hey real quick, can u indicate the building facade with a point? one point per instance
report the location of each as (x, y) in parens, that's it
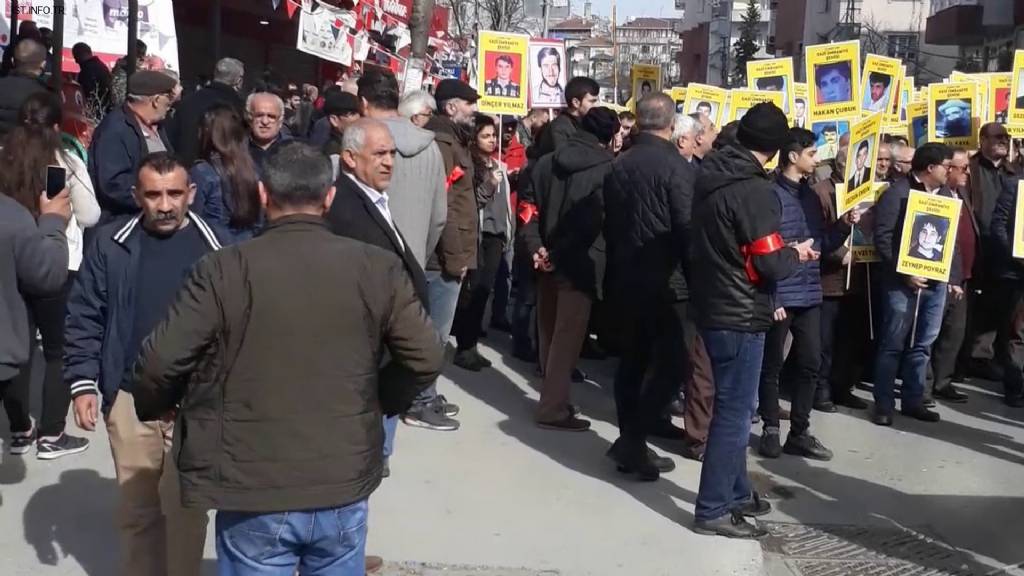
(984, 33)
(709, 29)
(652, 41)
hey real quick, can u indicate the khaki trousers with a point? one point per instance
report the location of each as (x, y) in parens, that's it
(158, 536)
(562, 316)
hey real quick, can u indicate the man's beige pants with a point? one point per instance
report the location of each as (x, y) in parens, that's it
(158, 536)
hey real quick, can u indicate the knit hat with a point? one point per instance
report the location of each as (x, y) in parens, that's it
(150, 83)
(764, 128)
(601, 122)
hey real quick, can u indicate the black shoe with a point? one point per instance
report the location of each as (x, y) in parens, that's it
(529, 356)
(950, 394)
(665, 429)
(501, 325)
(568, 424)
(756, 506)
(806, 446)
(928, 402)
(431, 417)
(578, 375)
(848, 400)
(677, 407)
(66, 445)
(825, 406)
(732, 525)
(921, 413)
(450, 410)
(692, 451)
(882, 419)
(664, 464)
(471, 360)
(635, 460)
(769, 445)
(21, 442)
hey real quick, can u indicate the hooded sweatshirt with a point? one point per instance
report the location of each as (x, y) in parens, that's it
(566, 190)
(734, 206)
(416, 196)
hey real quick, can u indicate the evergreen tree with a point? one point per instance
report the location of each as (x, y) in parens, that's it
(745, 47)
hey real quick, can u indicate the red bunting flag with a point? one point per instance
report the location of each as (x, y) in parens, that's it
(291, 6)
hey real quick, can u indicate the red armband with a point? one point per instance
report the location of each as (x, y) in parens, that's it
(527, 210)
(457, 173)
(760, 247)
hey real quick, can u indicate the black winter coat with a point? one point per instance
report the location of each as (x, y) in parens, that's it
(183, 127)
(648, 201)
(567, 189)
(556, 134)
(735, 205)
(274, 358)
(1004, 230)
(14, 90)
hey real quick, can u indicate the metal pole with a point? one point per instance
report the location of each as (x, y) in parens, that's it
(15, 8)
(215, 15)
(615, 57)
(57, 54)
(133, 35)
(544, 11)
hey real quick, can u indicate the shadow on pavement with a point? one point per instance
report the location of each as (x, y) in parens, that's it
(974, 524)
(75, 518)
(581, 452)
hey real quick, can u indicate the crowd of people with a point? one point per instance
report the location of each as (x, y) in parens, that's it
(264, 283)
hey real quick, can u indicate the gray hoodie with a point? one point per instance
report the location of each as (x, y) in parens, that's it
(33, 259)
(417, 196)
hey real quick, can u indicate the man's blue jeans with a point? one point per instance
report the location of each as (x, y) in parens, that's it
(323, 542)
(736, 365)
(894, 341)
(443, 293)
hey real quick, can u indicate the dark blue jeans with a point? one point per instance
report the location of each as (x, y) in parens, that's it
(894, 343)
(736, 365)
(323, 542)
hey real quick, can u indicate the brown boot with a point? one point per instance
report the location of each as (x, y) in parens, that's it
(374, 564)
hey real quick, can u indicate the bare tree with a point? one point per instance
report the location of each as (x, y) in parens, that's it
(504, 15)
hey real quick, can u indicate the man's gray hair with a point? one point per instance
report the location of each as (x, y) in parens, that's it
(354, 138)
(297, 175)
(686, 126)
(29, 54)
(252, 97)
(229, 71)
(655, 111)
(415, 102)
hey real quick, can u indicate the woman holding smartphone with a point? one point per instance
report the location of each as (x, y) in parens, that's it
(31, 153)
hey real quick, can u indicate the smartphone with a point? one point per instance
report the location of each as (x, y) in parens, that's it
(56, 180)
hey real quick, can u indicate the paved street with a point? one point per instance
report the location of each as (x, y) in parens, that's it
(501, 497)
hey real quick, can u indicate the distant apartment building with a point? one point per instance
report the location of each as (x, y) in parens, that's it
(709, 30)
(984, 33)
(652, 41)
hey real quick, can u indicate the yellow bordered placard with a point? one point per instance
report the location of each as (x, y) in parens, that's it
(1018, 223)
(860, 163)
(929, 236)
(951, 113)
(799, 115)
(773, 75)
(645, 79)
(833, 80)
(880, 83)
(502, 72)
(862, 237)
(709, 100)
(742, 100)
(917, 119)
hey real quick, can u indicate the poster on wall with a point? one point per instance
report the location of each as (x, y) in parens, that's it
(548, 73)
(103, 25)
(323, 32)
(501, 78)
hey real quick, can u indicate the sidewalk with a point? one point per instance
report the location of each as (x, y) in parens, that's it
(501, 497)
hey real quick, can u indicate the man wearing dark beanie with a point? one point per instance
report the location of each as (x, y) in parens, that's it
(561, 209)
(648, 197)
(736, 239)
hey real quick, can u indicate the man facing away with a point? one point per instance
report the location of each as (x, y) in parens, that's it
(129, 277)
(299, 460)
(183, 127)
(24, 81)
(648, 194)
(456, 251)
(736, 240)
(908, 300)
(93, 76)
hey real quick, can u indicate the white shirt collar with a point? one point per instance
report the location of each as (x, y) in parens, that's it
(372, 194)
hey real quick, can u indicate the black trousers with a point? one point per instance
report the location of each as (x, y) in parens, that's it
(1010, 342)
(47, 315)
(805, 358)
(524, 326)
(850, 343)
(476, 290)
(14, 395)
(946, 350)
(653, 337)
(502, 291)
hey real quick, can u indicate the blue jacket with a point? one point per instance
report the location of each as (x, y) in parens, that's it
(212, 200)
(101, 308)
(117, 149)
(802, 218)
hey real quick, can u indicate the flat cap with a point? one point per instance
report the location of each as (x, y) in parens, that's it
(451, 88)
(150, 83)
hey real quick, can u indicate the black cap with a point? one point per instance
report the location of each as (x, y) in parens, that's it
(150, 83)
(451, 88)
(601, 122)
(341, 104)
(764, 128)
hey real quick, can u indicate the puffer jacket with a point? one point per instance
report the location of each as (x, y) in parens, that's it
(297, 428)
(735, 206)
(566, 190)
(457, 246)
(802, 220)
(648, 198)
(14, 90)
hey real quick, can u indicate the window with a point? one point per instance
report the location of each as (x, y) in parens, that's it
(903, 46)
